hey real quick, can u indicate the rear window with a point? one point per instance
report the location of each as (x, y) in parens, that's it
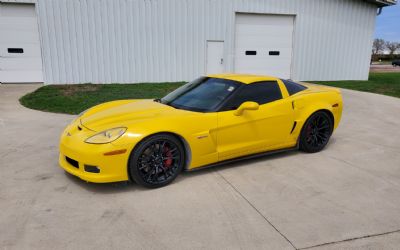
(293, 87)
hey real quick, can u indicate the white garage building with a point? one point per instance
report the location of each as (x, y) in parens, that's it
(121, 41)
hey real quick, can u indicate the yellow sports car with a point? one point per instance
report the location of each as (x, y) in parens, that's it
(208, 121)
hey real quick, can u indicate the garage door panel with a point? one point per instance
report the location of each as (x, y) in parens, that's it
(17, 10)
(20, 64)
(262, 51)
(29, 50)
(273, 43)
(265, 37)
(262, 29)
(23, 76)
(253, 62)
(261, 19)
(262, 34)
(273, 70)
(265, 61)
(24, 23)
(263, 58)
(16, 36)
(264, 44)
(254, 39)
(274, 64)
(269, 72)
(258, 41)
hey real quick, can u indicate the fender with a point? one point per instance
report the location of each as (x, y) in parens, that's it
(305, 105)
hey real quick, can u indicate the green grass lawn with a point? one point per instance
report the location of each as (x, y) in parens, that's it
(380, 83)
(388, 62)
(73, 99)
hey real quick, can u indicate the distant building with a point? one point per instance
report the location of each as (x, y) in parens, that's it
(101, 41)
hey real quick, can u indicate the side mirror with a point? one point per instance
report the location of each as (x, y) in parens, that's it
(246, 106)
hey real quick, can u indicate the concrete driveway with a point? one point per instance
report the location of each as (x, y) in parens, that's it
(347, 196)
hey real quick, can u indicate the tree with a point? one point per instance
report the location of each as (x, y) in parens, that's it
(378, 46)
(392, 47)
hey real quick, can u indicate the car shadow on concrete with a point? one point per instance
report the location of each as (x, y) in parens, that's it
(245, 162)
(128, 186)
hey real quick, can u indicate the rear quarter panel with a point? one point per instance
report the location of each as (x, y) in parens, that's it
(312, 100)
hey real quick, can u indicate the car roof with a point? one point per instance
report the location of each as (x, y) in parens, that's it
(244, 78)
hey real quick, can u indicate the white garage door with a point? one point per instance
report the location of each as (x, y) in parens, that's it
(20, 56)
(263, 44)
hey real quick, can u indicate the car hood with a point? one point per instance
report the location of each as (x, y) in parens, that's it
(123, 113)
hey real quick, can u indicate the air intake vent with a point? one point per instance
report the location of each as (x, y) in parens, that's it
(92, 169)
(72, 162)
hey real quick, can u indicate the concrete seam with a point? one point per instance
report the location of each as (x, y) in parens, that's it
(350, 239)
(265, 218)
(365, 171)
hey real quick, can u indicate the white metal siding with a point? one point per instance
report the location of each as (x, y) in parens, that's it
(157, 40)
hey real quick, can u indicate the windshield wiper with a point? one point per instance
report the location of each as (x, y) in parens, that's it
(165, 103)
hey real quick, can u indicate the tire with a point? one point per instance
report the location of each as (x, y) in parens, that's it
(156, 161)
(316, 132)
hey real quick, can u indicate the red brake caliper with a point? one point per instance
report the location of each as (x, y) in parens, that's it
(168, 154)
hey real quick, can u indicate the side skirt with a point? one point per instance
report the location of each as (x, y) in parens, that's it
(247, 157)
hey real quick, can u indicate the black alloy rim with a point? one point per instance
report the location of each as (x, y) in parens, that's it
(318, 131)
(159, 161)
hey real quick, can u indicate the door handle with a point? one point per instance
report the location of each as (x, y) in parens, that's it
(222, 61)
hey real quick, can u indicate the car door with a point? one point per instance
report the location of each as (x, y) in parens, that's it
(255, 130)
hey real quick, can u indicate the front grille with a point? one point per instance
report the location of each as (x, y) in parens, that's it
(72, 162)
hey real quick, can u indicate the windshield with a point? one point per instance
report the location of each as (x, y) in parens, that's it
(204, 94)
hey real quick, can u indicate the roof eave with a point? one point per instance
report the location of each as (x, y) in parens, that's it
(383, 3)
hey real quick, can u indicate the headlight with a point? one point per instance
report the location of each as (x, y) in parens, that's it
(106, 136)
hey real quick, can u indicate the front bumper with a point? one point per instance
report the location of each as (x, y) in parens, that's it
(88, 162)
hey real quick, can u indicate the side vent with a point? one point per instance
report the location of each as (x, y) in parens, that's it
(294, 126)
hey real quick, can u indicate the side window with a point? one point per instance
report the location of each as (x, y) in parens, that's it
(260, 92)
(293, 87)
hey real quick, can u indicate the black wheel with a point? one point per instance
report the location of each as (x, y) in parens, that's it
(157, 160)
(316, 132)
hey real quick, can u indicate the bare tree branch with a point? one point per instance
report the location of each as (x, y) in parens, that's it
(378, 46)
(392, 47)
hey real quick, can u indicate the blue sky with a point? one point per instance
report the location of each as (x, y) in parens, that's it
(388, 24)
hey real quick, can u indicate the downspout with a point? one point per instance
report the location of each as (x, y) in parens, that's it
(379, 11)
